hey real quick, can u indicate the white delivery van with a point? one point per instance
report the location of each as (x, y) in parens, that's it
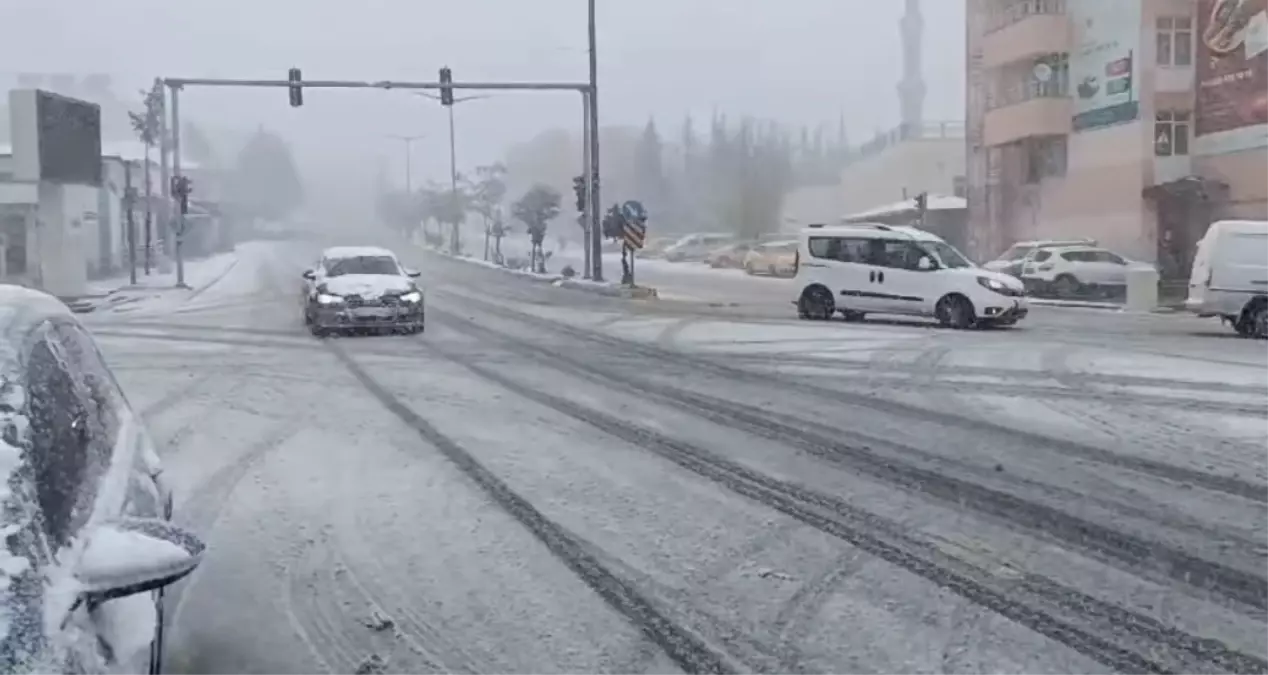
(863, 268)
(1230, 276)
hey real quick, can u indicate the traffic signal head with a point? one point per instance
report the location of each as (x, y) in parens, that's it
(446, 93)
(922, 201)
(297, 91)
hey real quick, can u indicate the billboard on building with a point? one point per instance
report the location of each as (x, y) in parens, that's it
(1105, 62)
(56, 139)
(1231, 104)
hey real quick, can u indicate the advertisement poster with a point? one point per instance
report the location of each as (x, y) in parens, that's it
(1104, 64)
(1232, 76)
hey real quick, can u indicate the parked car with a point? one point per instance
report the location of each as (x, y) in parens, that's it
(361, 287)
(776, 258)
(1011, 261)
(89, 542)
(729, 256)
(655, 247)
(694, 247)
(862, 269)
(1072, 271)
(1230, 276)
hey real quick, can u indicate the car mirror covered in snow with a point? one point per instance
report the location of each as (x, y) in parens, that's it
(136, 555)
(413, 274)
(310, 275)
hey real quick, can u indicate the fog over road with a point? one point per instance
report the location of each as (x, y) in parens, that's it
(552, 481)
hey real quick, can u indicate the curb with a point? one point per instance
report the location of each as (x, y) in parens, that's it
(1104, 306)
(560, 281)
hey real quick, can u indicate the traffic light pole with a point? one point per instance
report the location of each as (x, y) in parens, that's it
(587, 90)
(587, 206)
(176, 173)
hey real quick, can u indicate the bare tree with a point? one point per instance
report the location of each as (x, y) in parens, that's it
(146, 125)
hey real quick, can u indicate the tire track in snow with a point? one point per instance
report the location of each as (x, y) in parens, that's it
(861, 529)
(683, 647)
(979, 586)
(1233, 486)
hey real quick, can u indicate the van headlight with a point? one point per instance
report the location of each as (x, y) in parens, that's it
(412, 297)
(328, 299)
(993, 284)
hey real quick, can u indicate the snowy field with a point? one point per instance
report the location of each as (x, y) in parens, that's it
(553, 481)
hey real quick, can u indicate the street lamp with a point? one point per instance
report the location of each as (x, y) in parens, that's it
(453, 161)
(408, 141)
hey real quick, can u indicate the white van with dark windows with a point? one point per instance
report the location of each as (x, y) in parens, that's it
(862, 269)
(1230, 276)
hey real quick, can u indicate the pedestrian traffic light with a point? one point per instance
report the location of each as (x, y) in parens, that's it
(922, 203)
(297, 91)
(446, 92)
(579, 187)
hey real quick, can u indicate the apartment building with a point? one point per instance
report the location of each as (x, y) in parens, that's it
(1135, 122)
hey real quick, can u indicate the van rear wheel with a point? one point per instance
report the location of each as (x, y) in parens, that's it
(816, 304)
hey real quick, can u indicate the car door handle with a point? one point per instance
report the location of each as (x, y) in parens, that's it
(871, 276)
(880, 277)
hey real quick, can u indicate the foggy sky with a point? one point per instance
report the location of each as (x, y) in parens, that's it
(801, 61)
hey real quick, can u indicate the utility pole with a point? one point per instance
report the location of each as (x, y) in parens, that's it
(449, 102)
(409, 152)
(129, 206)
(596, 202)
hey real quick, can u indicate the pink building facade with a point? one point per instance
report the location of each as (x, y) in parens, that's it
(1134, 122)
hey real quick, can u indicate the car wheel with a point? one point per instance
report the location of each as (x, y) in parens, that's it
(1261, 321)
(317, 331)
(1066, 286)
(748, 268)
(816, 304)
(955, 311)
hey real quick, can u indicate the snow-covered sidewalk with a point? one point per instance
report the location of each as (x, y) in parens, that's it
(157, 286)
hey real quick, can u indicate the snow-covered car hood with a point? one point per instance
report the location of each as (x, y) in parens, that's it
(367, 285)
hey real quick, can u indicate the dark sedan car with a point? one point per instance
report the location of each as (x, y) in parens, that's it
(361, 288)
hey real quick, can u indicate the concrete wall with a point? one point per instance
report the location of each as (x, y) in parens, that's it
(918, 165)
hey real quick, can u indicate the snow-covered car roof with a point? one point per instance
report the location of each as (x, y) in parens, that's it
(357, 252)
(22, 307)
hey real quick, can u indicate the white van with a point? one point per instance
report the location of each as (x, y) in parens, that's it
(1230, 276)
(861, 269)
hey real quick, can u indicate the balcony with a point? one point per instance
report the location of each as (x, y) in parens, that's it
(1026, 110)
(1024, 29)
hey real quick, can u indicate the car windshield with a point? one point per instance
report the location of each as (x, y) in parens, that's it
(378, 264)
(946, 253)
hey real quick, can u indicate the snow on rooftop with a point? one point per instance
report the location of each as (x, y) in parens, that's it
(936, 203)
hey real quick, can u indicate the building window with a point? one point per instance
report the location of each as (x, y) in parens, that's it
(1171, 133)
(1175, 41)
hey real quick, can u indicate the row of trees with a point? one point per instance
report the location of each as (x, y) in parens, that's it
(734, 177)
(729, 174)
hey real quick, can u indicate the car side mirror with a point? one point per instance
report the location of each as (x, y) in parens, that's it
(413, 274)
(135, 555)
(310, 275)
(926, 264)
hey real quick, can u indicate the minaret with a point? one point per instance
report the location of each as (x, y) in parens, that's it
(911, 90)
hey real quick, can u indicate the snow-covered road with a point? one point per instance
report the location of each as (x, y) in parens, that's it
(551, 481)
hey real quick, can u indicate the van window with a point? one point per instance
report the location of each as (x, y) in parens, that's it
(1076, 256)
(824, 247)
(1248, 249)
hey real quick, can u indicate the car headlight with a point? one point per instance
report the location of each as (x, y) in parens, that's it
(412, 297)
(328, 299)
(992, 284)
